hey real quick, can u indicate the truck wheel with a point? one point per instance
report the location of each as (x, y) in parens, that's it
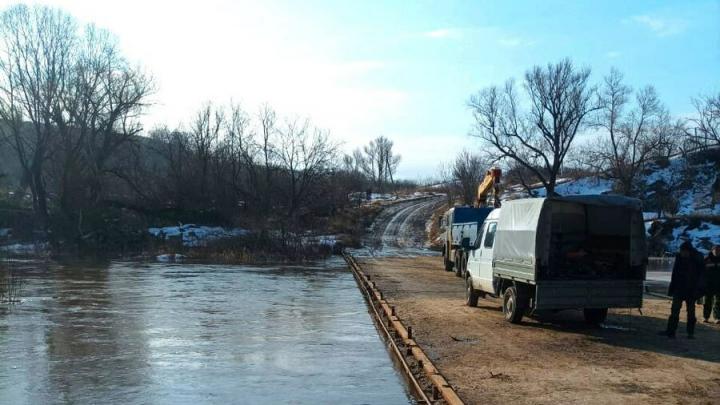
(513, 306)
(446, 260)
(456, 260)
(595, 316)
(471, 294)
(459, 267)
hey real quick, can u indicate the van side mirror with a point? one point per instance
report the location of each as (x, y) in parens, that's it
(465, 243)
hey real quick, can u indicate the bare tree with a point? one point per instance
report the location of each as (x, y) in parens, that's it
(268, 131)
(448, 184)
(522, 176)
(378, 161)
(239, 153)
(204, 135)
(348, 163)
(37, 49)
(174, 147)
(560, 100)
(467, 171)
(102, 106)
(708, 119)
(305, 154)
(632, 137)
(69, 96)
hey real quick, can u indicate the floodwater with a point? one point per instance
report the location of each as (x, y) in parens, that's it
(131, 333)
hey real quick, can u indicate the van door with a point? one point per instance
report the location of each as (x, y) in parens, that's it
(473, 265)
(484, 256)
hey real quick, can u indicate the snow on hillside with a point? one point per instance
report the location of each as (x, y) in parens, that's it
(702, 237)
(691, 184)
(695, 200)
(583, 185)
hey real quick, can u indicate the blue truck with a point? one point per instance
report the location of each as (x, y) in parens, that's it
(460, 225)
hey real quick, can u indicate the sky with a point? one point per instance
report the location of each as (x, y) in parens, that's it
(400, 69)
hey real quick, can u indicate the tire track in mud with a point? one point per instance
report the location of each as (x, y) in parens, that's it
(400, 228)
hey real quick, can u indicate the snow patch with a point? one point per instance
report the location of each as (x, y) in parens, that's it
(322, 240)
(649, 216)
(382, 197)
(25, 248)
(193, 235)
(583, 185)
(170, 258)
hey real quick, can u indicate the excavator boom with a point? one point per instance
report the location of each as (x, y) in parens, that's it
(491, 183)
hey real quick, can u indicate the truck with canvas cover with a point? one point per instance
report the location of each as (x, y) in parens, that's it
(576, 252)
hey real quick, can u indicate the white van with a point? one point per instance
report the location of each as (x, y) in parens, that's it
(586, 252)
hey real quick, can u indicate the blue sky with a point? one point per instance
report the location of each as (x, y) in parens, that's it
(400, 69)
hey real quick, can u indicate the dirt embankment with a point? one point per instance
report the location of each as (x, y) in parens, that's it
(556, 359)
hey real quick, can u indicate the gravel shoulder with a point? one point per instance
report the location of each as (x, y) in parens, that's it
(553, 359)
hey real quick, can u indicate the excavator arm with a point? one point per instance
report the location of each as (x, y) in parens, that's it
(490, 184)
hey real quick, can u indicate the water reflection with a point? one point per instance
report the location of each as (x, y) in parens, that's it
(10, 284)
(133, 333)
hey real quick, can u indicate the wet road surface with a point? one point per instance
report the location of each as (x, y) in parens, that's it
(400, 229)
(179, 333)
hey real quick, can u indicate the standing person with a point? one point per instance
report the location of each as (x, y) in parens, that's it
(686, 285)
(712, 286)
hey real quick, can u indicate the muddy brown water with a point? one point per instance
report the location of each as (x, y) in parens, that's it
(136, 333)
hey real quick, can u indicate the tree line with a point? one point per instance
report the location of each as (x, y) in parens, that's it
(557, 121)
(70, 116)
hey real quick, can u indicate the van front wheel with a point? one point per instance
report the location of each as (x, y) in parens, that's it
(513, 306)
(471, 294)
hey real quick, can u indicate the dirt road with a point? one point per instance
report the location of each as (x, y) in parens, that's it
(556, 359)
(400, 228)
(550, 360)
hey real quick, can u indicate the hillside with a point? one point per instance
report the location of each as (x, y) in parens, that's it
(681, 199)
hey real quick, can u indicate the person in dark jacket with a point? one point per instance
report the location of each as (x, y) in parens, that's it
(686, 285)
(712, 285)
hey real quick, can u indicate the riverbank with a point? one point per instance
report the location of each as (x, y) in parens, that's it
(556, 359)
(252, 244)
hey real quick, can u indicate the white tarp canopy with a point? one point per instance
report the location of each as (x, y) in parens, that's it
(517, 229)
(525, 225)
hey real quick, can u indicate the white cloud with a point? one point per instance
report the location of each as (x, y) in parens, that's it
(613, 54)
(443, 33)
(515, 42)
(662, 27)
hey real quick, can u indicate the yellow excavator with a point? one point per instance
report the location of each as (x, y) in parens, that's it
(490, 184)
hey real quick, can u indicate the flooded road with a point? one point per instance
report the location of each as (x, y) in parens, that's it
(180, 333)
(400, 229)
